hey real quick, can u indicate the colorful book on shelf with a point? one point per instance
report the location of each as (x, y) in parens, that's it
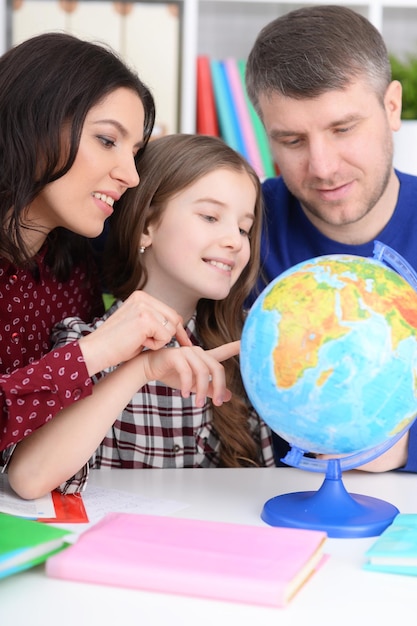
(226, 114)
(206, 107)
(25, 543)
(262, 565)
(263, 143)
(243, 116)
(395, 550)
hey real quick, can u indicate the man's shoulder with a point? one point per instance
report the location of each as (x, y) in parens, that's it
(408, 182)
(277, 197)
(275, 186)
(404, 177)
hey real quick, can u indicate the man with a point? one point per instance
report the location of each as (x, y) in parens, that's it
(320, 79)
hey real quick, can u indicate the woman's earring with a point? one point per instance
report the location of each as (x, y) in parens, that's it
(142, 249)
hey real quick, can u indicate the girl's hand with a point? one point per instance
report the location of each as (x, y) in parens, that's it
(141, 321)
(192, 370)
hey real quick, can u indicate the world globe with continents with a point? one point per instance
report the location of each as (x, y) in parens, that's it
(329, 354)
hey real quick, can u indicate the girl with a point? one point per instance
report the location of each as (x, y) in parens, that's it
(188, 236)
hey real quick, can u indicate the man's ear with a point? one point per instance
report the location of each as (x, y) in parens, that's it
(393, 104)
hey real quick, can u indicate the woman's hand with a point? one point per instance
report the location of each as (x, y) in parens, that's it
(142, 321)
(192, 370)
(55, 452)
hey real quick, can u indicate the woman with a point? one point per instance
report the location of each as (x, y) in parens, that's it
(74, 120)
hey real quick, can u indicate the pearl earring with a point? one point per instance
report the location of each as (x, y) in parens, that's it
(142, 249)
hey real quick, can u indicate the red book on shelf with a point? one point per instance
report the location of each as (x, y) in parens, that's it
(206, 108)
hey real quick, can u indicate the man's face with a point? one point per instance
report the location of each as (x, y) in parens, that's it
(335, 155)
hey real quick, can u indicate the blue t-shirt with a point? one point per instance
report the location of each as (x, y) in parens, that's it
(290, 238)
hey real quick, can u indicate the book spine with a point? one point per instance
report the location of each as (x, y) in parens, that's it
(242, 111)
(228, 123)
(260, 133)
(206, 107)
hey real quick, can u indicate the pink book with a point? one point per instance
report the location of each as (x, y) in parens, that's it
(252, 564)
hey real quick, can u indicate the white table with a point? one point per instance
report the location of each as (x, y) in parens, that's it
(340, 594)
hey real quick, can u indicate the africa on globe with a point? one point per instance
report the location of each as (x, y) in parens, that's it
(329, 354)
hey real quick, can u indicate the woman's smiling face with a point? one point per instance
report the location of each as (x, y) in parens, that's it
(103, 169)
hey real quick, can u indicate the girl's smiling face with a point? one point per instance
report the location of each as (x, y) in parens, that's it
(201, 244)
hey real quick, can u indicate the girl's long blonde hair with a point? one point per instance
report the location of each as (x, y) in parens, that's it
(168, 166)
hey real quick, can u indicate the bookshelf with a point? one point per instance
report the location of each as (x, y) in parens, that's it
(222, 28)
(147, 35)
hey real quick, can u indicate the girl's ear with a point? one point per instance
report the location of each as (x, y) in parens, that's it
(146, 239)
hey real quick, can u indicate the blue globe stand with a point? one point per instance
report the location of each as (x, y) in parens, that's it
(331, 509)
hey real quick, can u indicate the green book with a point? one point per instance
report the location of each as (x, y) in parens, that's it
(395, 550)
(25, 543)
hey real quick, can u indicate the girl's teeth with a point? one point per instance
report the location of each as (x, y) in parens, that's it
(221, 266)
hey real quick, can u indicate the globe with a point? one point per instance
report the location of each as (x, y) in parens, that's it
(329, 358)
(329, 354)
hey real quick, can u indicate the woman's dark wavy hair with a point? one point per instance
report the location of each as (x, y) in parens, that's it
(168, 166)
(49, 82)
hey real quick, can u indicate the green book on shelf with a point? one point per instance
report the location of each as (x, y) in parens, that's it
(25, 543)
(395, 550)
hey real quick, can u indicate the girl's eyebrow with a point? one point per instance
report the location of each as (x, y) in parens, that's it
(209, 199)
(250, 216)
